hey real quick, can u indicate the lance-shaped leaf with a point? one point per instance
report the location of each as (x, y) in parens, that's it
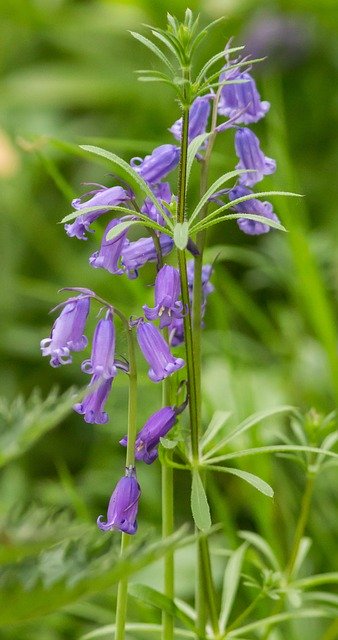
(199, 503)
(250, 478)
(231, 579)
(156, 599)
(132, 176)
(181, 231)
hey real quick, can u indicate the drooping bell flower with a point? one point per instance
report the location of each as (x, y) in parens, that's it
(162, 191)
(241, 99)
(207, 287)
(254, 206)
(156, 166)
(136, 254)
(251, 157)
(67, 332)
(148, 438)
(123, 505)
(198, 119)
(176, 332)
(103, 197)
(109, 254)
(101, 362)
(157, 353)
(92, 407)
(167, 292)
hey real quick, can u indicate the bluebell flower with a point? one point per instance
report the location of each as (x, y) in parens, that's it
(105, 196)
(242, 99)
(162, 191)
(167, 292)
(101, 362)
(92, 407)
(109, 254)
(67, 331)
(148, 438)
(156, 166)
(253, 206)
(251, 157)
(157, 353)
(198, 118)
(176, 332)
(136, 254)
(123, 505)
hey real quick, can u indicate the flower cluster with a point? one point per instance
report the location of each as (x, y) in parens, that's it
(239, 101)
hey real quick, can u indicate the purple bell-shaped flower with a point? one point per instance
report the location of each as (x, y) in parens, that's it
(103, 197)
(157, 165)
(123, 505)
(167, 292)
(148, 438)
(157, 353)
(92, 407)
(251, 157)
(109, 254)
(241, 99)
(101, 362)
(255, 206)
(67, 332)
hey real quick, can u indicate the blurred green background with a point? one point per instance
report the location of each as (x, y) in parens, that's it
(67, 74)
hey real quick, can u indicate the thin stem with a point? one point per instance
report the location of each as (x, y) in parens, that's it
(242, 616)
(122, 591)
(167, 521)
(209, 585)
(299, 533)
(301, 524)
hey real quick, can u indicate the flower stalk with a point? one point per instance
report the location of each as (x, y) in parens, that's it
(122, 591)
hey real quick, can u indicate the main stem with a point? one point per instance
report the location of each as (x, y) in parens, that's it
(167, 522)
(122, 591)
(205, 586)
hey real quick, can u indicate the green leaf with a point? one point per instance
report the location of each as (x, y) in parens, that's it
(228, 205)
(280, 617)
(216, 423)
(255, 481)
(143, 628)
(119, 228)
(131, 174)
(257, 541)
(148, 43)
(213, 60)
(193, 148)
(156, 599)
(214, 187)
(303, 550)
(235, 216)
(168, 444)
(79, 573)
(23, 423)
(230, 584)
(181, 234)
(199, 503)
(273, 448)
(249, 422)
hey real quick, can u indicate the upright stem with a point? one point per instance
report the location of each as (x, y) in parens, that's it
(167, 522)
(122, 591)
(301, 524)
(205, 588)
(192, 364)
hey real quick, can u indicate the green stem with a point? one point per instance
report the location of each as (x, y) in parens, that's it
(299, 533)
(209, 584)
(242, 616)
(122, 591)
(167, 521)
(301, 524)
